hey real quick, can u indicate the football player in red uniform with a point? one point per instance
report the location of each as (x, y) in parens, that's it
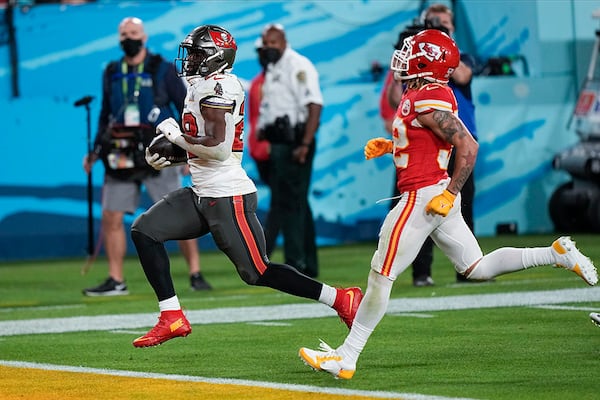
(425, 129)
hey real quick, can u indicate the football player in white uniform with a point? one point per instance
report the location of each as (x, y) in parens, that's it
(222, 200)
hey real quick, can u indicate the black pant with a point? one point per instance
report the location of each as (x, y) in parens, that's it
(264, 169)
(235, 228)
(290, 211)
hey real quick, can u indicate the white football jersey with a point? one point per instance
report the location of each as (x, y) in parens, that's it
(214, 178)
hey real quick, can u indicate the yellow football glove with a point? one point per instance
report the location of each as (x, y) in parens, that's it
(441, 204)
(378, 147)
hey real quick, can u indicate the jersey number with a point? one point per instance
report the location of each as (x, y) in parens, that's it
(190, 127)
(401, 142)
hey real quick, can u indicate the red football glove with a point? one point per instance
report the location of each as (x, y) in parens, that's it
(378, 147)
(441, 204)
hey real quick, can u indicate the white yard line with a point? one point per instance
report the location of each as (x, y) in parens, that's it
(296, 311)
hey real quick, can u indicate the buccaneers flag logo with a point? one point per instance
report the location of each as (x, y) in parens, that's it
(223, 39)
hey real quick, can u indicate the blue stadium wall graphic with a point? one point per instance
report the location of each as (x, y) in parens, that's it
(522, 119)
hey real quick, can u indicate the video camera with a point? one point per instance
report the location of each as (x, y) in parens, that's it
(417, 26)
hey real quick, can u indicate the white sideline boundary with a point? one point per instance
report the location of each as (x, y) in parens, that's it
(223, 381)
(296, 311)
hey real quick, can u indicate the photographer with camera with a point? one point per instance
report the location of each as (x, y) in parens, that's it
(436, 16)
(138, 91)
(290, 113)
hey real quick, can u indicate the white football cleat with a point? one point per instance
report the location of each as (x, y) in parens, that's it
(327, 360)
(595, 317)
(568, 256)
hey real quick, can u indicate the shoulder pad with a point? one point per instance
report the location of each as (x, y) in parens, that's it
(225, 86)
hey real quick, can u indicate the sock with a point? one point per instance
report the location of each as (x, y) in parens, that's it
(509, 259)
(170, 304)
(355, 342)
(328, 295)
(371, 310)
(537, 256)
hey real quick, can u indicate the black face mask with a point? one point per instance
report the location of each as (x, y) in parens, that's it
(131, 47)
(271, 55)
(262, 59)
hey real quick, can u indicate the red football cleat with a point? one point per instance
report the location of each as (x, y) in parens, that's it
(346, 303)
(171, 324)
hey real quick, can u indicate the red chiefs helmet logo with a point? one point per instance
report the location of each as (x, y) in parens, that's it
(223, 40)
(430, 51)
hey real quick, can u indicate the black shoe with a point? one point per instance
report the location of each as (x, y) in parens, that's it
(109, 287)
(462, 279)
(423, 281)
(198, 283)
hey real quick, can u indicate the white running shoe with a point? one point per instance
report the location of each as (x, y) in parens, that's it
(327, 360)
(595, 317)
(568, 256)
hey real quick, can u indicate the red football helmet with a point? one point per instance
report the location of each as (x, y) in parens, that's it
(430, 54)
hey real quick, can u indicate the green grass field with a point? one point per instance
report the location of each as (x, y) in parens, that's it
(523, 352)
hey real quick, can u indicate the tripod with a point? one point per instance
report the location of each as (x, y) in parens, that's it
(85, 101)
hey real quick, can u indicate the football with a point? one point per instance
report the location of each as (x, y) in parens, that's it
(161, 145)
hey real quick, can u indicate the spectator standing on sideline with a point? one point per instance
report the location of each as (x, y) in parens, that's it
(222, 200)
(425, 130)
(290, 113)
(259, 149)
(139, 90)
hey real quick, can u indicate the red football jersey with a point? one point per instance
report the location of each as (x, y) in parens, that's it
(421, 157)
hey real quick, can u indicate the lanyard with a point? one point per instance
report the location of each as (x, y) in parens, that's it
(138, 81)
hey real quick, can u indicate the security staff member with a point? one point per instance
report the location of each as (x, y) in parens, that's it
(290, 112)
